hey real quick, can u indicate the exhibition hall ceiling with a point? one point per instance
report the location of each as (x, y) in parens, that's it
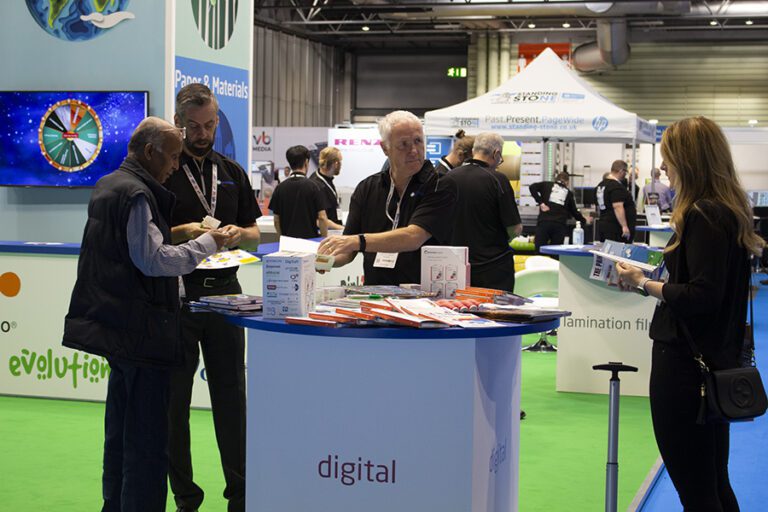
(361, 25)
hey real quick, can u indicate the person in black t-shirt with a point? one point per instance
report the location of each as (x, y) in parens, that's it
(297, 203)
(617, 209)
(395, 211)
(705, 297)
(330, 167)
(486, 217)
(209, 184)
(556, 205)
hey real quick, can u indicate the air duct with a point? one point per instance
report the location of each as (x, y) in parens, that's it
(610, 50)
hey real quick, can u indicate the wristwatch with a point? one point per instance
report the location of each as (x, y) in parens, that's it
(641, 286)
(361, 237)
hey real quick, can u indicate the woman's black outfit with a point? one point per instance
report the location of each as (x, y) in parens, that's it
(707, 289)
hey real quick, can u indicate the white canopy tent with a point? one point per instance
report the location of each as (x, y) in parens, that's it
(546, 101)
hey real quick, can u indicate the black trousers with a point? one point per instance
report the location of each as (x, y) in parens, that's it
(549, 233)
(223, 348)
(612, 231)
(500, 274)
(135, 469)
(696, 456)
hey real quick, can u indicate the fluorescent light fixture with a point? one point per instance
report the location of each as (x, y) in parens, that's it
(752, 122)
(566, 25)
(748, 22)
(531, 25)
(713, 23)
(365, 28)
(653, 121)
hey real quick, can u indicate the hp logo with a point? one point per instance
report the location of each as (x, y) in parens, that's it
(600, 123)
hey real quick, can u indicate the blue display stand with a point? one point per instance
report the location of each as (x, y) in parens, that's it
(383, 419)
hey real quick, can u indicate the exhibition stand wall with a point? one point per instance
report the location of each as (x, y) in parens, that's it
(605, 325)
(383, 419)
(34, 363)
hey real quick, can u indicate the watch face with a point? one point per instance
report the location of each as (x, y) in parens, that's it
(70, 135)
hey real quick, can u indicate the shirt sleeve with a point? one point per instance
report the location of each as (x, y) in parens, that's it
(434, 213)
(247, 207)
(706, 247)
(354, 219)
(274, 201)
(508, 212)
(570, 203)
(154, 258)
(535, 189)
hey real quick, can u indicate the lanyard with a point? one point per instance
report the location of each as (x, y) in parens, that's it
(214, 190)
(330, 187)
(396, 220)
(297, 175)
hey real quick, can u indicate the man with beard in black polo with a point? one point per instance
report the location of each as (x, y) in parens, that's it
(213, 187)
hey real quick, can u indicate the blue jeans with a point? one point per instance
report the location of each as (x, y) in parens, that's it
(136, 439)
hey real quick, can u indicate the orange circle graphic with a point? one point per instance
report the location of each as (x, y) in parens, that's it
(10, 284)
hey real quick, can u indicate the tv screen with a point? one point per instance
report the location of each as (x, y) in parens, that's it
(66, 139)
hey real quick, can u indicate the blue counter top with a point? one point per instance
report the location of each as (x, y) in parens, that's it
(15, 246)
(567, 250)
(507, 329)
(660, 229)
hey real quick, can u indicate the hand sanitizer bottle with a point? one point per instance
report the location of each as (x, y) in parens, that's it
(578, 234)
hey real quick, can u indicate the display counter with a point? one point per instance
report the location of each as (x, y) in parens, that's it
(658, 236)
(32, 360)
(383, 419)
(605, 325)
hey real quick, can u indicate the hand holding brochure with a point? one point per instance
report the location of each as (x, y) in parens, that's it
(650, 261)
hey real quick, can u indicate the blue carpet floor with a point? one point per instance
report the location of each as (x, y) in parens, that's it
(749, 441)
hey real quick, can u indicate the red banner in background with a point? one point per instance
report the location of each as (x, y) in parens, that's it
(527, 52)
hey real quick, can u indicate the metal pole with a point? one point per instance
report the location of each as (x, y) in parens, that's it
(612, 465)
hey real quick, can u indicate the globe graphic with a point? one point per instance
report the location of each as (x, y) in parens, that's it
(61, 18)
(224, 140)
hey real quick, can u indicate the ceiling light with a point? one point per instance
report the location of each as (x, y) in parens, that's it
(566, 25)
(531, 25)
(752, 122)
(748, 22)
(366, 28)
(713, 23)
(653, 121)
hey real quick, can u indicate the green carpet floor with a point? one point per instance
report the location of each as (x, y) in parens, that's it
(50, 450)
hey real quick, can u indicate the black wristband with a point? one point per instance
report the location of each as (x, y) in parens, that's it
(361, 237)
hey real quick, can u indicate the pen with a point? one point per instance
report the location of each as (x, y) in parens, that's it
(364, 296)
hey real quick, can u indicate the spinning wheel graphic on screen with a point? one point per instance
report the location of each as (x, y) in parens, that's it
(70, 135)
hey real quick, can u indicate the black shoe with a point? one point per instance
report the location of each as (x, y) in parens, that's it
(185, 509)
(522, 414)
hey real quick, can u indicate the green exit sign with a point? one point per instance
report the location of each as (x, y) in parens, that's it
(457, 72)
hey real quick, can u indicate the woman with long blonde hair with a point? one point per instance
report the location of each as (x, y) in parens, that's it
(706, 294)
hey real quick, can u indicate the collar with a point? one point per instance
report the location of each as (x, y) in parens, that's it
(444, 161)
(213, 156)
(480, 163)
(426, 171)
(320, 175)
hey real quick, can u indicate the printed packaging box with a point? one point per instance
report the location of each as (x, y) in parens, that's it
(289, 284)
(444, 269)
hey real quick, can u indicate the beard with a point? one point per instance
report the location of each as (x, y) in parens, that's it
(198, 149)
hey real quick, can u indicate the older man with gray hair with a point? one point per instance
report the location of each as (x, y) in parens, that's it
(125, 306)
(397, 210)
(486, 214)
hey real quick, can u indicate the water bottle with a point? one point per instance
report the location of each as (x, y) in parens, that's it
(578, 234)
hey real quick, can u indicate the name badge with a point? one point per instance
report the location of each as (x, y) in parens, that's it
(385, 259)
(210, 222)
(338, 214)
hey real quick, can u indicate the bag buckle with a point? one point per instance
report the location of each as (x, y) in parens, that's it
(209, 282)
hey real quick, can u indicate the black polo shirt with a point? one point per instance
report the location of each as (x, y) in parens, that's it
(610, 191)
(485, 208)
(331, 201)
(297, 201)
(235, 202)
(428, 202)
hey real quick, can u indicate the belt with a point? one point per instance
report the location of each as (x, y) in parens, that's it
(214, 282)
